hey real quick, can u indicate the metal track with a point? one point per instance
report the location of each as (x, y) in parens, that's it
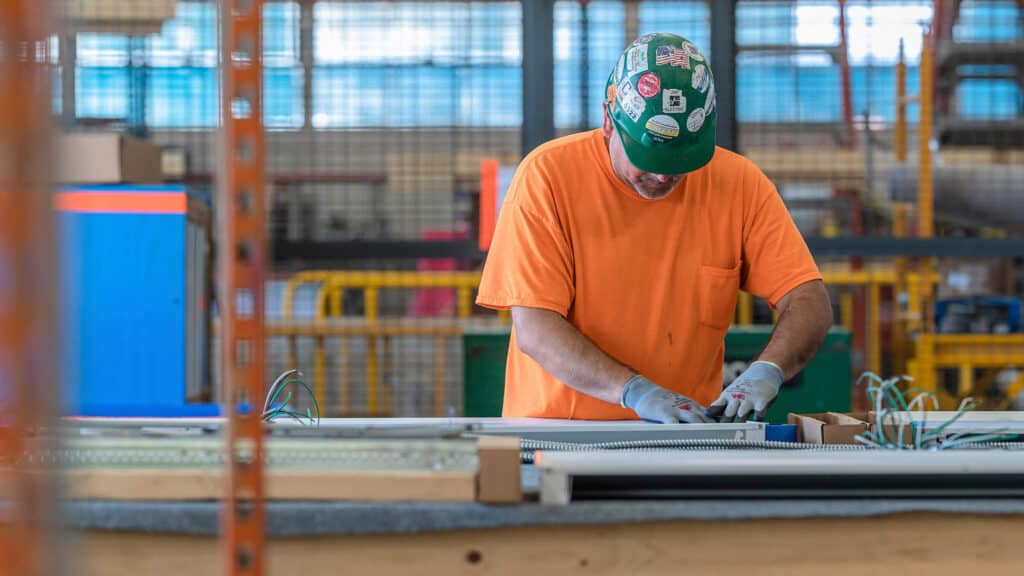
(567, 476)
(241, 258)
(281, 454)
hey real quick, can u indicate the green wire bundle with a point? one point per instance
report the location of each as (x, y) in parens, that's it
(892, 408)
(278, 387)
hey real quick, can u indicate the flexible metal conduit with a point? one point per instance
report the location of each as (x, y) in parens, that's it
(528, 447)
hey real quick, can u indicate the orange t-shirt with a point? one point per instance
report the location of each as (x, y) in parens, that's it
(652, 282)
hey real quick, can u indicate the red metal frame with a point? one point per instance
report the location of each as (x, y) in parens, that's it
(844, 77)
(241, 260)
(27, 273)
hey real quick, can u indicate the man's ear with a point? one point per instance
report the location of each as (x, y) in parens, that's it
(606, 126)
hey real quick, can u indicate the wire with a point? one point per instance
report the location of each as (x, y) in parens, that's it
(270, 412)
(892, 411)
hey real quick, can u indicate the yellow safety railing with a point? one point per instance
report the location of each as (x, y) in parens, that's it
(329, 303)
(378, 332)
(874, 279)
(965, 353)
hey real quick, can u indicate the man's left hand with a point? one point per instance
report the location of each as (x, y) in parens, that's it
(754, 389)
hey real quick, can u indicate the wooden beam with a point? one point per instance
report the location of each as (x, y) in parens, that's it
(933, 544)
(179, 485)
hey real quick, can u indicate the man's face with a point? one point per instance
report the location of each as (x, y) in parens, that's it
(647, 184)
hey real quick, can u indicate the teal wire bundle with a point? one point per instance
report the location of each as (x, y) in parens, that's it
(272, 409)
(894, 412)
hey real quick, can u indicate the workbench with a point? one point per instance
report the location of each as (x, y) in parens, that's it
(738, 536)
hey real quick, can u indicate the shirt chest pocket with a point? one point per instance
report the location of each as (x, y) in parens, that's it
(718, 289)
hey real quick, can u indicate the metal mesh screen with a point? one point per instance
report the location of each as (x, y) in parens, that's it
(378, 115)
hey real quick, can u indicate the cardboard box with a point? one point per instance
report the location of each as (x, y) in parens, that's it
(107, 158)
(960, 277)
(828, 427)
(836, 428)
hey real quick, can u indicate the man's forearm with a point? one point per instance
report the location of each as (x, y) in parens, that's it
(568, 355)
(805, 315)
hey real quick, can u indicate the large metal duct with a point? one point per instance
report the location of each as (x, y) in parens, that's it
(988, 195)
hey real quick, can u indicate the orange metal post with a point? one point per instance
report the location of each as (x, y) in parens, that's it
(925, 220)
(26, 285)
(488, 201)
(844, 77)
(241, 258)
(900, 293)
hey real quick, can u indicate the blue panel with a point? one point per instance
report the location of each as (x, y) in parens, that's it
(780, 433)
(123, 312)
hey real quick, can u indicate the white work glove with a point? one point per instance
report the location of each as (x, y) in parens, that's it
(656, 404)
(753, 390)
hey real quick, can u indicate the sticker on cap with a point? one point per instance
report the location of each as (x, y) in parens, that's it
(692, 51)
(636, 59)
(672, 56)
(631, 102)
(700, 79)
(610, 95)
(618, 69)
(709, 102)
(645, 38)
(695, 120)
(662, 128)
(648, 85)
(673, 101)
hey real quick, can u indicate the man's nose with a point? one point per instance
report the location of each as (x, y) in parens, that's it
(662, 178)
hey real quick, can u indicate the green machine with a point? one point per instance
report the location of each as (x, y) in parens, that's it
(822, 386)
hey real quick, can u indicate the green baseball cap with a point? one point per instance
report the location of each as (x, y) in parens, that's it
(661, 98)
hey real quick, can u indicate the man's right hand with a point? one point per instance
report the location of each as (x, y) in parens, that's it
(656, 404)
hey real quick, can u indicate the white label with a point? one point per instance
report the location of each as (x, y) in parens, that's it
(693, 52)
(636, 59)
(673, 101)
(700, 78)
(695, 120)
(662, 128)
(632, 103)
(709, 103)
(618, 70)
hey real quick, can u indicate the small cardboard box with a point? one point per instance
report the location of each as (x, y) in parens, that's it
(107, 158)
(829, 427)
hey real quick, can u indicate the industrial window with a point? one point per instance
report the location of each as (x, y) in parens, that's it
(584, 58)
(170, 79)
(788, 65)
(690, 19)
(414, 64)
(283, 74)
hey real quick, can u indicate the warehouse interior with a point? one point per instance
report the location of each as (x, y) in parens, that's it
(209, 206)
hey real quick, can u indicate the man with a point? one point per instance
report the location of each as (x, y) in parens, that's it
(621, 251)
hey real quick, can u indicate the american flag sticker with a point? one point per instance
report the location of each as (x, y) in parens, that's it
(672, 56)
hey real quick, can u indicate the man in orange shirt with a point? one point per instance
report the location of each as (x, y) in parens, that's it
(620, 252)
